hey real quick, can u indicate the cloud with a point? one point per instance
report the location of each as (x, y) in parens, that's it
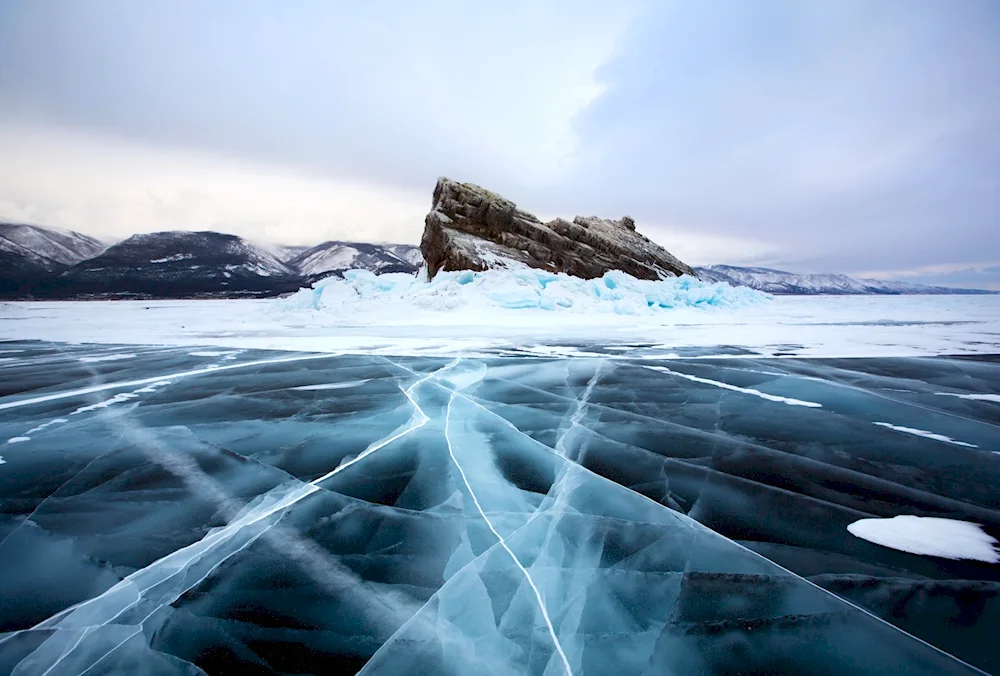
(113, 188)
(849, 134)
(390, 92)
(961, 276)
(825, 136)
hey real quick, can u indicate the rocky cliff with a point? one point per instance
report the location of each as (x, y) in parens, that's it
(471, 228)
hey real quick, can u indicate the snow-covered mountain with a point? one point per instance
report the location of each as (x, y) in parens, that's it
(64, 247)
(282, 252)
(38, 262)
(408, 252)
(329, 258)
(780, 282)
(180, 263)
(29, 254)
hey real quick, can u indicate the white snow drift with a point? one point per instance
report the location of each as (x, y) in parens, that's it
(446, 317)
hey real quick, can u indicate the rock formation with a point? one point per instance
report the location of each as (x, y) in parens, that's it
(471, 228)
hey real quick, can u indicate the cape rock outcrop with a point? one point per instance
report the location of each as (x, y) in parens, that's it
(471, 228)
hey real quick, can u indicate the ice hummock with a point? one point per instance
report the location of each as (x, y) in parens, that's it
(361, 292)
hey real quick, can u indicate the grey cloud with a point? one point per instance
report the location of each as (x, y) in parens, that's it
(390, 92)
(849, 135)
(971, 278)
(854, 134)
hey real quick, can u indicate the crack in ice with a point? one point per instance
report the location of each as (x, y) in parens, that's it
(581, 409)
(924, 433)
(744, 390)
(146, 381)
(691, 523)
(182, 559)
(501, 541)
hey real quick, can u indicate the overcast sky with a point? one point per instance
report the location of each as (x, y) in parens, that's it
(823, 135)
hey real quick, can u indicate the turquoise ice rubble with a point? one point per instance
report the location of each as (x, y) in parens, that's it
(526, 288)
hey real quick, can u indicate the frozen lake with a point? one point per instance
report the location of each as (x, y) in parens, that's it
(809, 326)
(495, 505)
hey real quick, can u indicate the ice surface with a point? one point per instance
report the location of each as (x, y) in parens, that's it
(929, 536)
(291, 513)
(786, 326)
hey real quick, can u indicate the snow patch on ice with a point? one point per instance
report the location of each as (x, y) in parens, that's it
(54, 421)
(929, 536)
(121, 397)
(152, 387)
(745, 390)
(107, 357)
(17, 440)
(2, 461)
(973, 397)
(362, 292)
(784, 327)
(332, 386)
(925, 434)
(213, 353)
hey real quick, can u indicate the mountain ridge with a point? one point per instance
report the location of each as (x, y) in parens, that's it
(44, 263)
(812, 284)
(30, 254)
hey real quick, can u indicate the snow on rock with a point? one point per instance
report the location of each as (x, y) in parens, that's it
(467, 220)
(929, 536)
(362, 292)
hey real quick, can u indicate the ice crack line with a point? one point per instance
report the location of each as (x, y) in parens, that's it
(695, 524)
(581, 410)
(183, 558)
(745, 390)
(500, 539)
(147, 381)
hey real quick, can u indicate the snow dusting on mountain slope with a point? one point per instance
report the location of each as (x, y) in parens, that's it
(62, 247)
(331, 257)
(778, 281)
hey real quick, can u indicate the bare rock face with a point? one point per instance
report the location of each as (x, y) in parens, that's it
(471, 228)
